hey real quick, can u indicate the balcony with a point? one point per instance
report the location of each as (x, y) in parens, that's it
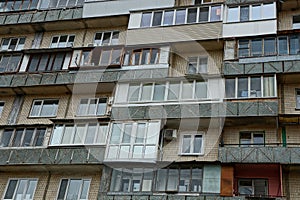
(52, 156)
(178, 111)
(270, 153)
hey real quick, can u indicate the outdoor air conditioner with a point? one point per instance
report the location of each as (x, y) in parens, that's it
(170, 134)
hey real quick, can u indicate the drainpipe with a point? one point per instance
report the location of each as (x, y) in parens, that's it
(283, 135)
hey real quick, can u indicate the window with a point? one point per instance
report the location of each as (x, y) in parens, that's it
(106, 38)
(1, 107)
(20, 189)
(253, 187)
(13, 44)
(248, 87)
(46, 4)
(197, 65)
(47, 61)
(181, 16)
(141, 56)
(74, 189)
(103, 57)
(256, 47)
(233, 14)
(255, 138)
(94, 106)
(170, 91)
(296, 22)
(23, 137)
(62, 41)
(10, 62)
(244, 13)
(8, 5)
(244, 48)
(44, 108)
(192, 144)
(283, 45)
(79, 134)
(135, 140)
(294, 44)
(297, 99)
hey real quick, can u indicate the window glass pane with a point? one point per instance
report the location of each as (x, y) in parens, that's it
(34, 4)
(172, 180)
(133, 94)
(184, 182)
(197, 144)
(255, 87)
(147, 182)
(13, 43)
(244, 13)
(145, 57)
(154, 56)
(150, 152)
(180, 16)
(14, 63)
(30, 189)
(157, 17)
(186, 144)
(74, 188)
(17, 137)
(161, 179)
(269, 46)
(196, 183)
(124, 152)
(106, 38)
(39, 136)
(258, 138)
(233, 14)
(269, 86)
(79, 134)
(192, 65)
(192, 15)
(115, 180)
(57, 134)
(268, 11)
(230, 88)
(146, 19)
(136, 56)
(297, 99)
(113, 152)
(245, 187)
(203, 15)
(173, 92)
(85, 189)
(92, 106)
(5, 43)
(260, 187)
(68, 135)
(147, 92)
(187, 90)
(62, 189)
(49, 108)
(256, 12)
(27, 138)
(43, 62)
(101, 109)
(44, 4)
(102, 132)
(115, 57)
(243, 48)
(21, 188)
(58, 62)
(6, 136)
(91, 133)
(201, 90)
(243, 87)
(105, 58)
(282, 45)
(115, 38)
(82, 108)
(137, 151)
(256, 47)
(127, 133)
(10, 189)
(215, 14)
(116, 134)
(141, 133)
(168, 17)
(62, 3)
(159, 92)
(18, 4)
(294, 44)
(245, 138)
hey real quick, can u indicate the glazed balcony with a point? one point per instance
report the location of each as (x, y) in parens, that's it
(269, 153)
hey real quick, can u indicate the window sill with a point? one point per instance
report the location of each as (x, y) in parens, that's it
(39, 117)
(191, 154)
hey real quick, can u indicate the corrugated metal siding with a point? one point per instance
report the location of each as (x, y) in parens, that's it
(174, 33)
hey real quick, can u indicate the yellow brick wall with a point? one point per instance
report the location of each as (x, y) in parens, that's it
(8, 103)
(290, 98)
(26, 108)
(191, 2)
(28, 41)
(171, 150)
(179, 62)
(294, 186)
(292, 134)
(40, 188)
(231, 135)
(285, 19)
(55, 179)
(79, 37)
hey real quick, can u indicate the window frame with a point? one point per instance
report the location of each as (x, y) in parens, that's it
(58, 43)
(192, 143)
(9, 67)
(86, 112)
(68, 185)
(18, 46)
(28, 180)
(78, 3)
(297, 93)
(100, 43)
(131, 53)
(42, 106)
(33, 140)
(199, 69)
(252, 138)
(253, 185)
(97, 134)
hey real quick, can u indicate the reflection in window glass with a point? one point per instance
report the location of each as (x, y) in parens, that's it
(233, 14)
(215, 14)
(244, 13)
(256, 47)
(255, 87)
(146, 19)
(203, 15)
(256, 12)
(157, 17)
(168, 17)
(282, 45)
(192, 15)
(269, 46)
(268, 11)
(180, 16)
(294, 44)
(243, 87)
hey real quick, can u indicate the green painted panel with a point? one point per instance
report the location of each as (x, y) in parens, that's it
(80, 156)
(48, 156)
(268, 108)
(48, 78)
(127, 75)
(253, 68)
(18, 80)
(248, 108)
(173, 111)
(142, 74)
(25, 156)
(65, 78)
(66, 14)
(25, 18)
(33, 79)
(2, 19)
(110, 76)
(273, 67)
(175, 197)
(64, 156)
(233, 69)
(77, 13)
(205, 110)
(52, 15)
(231, 108)
(119, 113)
(158, 197)
(140, 197)
(11, 19)
(6, 80)
(291, 66)
(155, 112)
(96, 155)
(160, 73)
(4, 156)
(137, 112)
(39, 16)
(192, 110)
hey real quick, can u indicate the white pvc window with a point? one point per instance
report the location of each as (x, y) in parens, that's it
(92, 106)
(46, 4)
(79, 134)
(62, 41)
(191, 143)
(20, 189)
(13, 44)
(44, 108)
(197, 65)
(75, 189)
(106, 38)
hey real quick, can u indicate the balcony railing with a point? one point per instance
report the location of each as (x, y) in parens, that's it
(52, 156)
(267, 153)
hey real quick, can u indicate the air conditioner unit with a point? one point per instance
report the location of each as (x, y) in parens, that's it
(170, 134)
(110, 100)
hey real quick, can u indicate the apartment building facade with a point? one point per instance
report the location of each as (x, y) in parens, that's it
(170, 99)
